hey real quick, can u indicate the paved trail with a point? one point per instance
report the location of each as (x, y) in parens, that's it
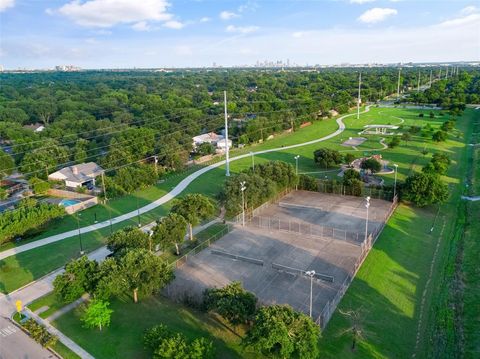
(164, 199)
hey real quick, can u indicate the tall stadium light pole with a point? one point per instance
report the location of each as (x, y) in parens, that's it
(398, 83)
(311, 274)
(227, 162)
(395, 183)
(367, 206)
(253, 160)
(104, 189)
(359, 99)
(243, 188)
(79, 234)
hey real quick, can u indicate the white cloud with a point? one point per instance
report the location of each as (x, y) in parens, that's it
(173, 24)
(469, 10)
(228, 15)
(241, 29)
(376, 14)
(360, 1)
(205, 19)
(472, 18)
(141, 26)
(107, 13)
(5, 4)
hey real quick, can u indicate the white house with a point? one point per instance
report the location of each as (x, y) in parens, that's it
(36, 127)
(78, 175)
(213, 138)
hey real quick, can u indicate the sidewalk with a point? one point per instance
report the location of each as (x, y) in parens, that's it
(62, 337)
(179, 188)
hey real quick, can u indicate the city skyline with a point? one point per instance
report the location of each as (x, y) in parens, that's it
(155, 34)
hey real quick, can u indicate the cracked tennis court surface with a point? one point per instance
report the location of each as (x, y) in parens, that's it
(253, 254)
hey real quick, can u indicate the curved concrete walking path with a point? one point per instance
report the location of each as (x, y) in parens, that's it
(179, 188)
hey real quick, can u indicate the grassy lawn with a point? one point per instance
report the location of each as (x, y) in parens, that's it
(21, 269)
(124, 337)
(50, 300)
(387, 292)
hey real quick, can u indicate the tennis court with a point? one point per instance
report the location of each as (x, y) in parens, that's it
(271, 262)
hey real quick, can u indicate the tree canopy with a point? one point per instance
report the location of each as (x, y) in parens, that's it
(326, 157)
(424, 189)
(194, 207)
(280, 331)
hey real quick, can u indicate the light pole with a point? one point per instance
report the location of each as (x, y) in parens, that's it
(367, 205)
(79, 234)
(311, 274)
(395, 183)
(243, 188)
(227, 160)
(253, 161)
(138, 214)
(296, 169)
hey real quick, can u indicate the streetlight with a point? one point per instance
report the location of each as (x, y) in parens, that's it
(395, 185)
(296, 164)
(79, 234)
(243, 188)
(367, 205)
(311, 274)
(253, 161)
(138, 214)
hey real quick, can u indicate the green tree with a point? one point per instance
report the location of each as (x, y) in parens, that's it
(424, 189)
(205, 149)
(97, 314)
(232, 302)
(38, 185)
(127, 238)
(7, 164)
(349, 158)
(326, 157)
(371, 164)
(167, 344)
(439, 136)
(194, 208)
(394, 142)
(80, 276)
(307, 183)
(140, 272)
(406, 137)
(170, 231)
(280, 331)
(352, 182)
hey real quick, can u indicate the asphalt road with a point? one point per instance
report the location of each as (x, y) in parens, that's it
(15, 344)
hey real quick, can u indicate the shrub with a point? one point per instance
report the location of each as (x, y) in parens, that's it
(307, 183)
(39, 333)
(439, 136)
(326, 157)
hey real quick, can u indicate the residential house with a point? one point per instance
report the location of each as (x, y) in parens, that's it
(75, 176)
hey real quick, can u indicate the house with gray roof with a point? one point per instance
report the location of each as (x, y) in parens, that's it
(78, 175)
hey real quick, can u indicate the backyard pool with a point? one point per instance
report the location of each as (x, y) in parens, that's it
(68, 202)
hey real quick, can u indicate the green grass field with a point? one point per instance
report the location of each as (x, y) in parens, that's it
(19, 270)
(388, 290)
(124, 337)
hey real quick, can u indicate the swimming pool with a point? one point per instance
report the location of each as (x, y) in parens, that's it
(68, 202)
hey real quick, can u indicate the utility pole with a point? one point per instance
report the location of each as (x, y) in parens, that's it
(418, 82)
(398, 84)
(359, 99)
(104, 189)
(253, 161)
(227, 162)
(138, 214)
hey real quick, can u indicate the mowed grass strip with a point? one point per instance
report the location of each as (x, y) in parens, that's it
(386, 291)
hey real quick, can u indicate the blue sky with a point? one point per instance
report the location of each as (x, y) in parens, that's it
(158, 33)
